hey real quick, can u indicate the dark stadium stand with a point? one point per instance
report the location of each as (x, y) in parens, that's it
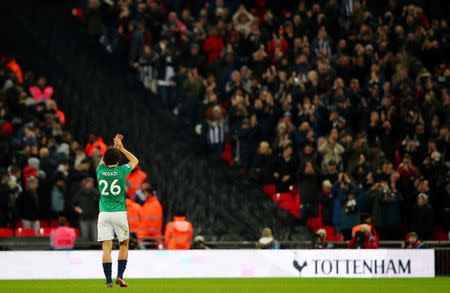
(93, 83)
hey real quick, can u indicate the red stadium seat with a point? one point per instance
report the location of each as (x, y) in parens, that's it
(43, 223)
(339, 237)
(288, 205)
(441, 236)
(77, 232)
(314, 223)
(6, 232)
(269, 189)
(54, 224)
(44, 231)
(282, 197)
(295, 212)
(330, 231)
(293, 189)
(18, 224)
(24, 232)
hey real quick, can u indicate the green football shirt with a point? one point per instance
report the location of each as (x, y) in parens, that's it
(111, 185)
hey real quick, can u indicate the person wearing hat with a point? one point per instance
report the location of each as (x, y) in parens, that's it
(85, 206)
(267, 241)
(199, 243)
(413, 241)
(31, 168)
(421, 217)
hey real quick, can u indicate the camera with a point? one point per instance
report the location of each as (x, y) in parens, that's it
(318, 241)
(360, 238)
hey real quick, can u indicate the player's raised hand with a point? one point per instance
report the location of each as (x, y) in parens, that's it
(118, 141)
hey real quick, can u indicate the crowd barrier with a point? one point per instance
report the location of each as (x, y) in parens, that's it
(381, 263)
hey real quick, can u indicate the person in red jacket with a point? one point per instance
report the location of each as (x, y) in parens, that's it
(213, 45)
(277, 46)
(407, 170)
(363, 239)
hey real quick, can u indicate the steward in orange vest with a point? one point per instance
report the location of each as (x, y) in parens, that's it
(152, 218)
(367, 220)
(134, 211)
(178, 233)
(95, 142)
(12, 64)
(134, 181)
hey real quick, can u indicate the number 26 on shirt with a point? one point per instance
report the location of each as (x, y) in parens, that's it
(114, 189)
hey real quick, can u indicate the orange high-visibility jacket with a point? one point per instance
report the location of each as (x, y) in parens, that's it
(179, 233)
(134, 211)
(89, 150)
(16, 69)
(152, 219)
(135, 180)
(358, 227)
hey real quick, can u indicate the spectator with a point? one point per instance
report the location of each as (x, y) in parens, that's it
(421, 217)
(413, 241)
(331, 150)
(30, 205)
(243, 20)
(260, 170)
(216, 128)
(41, 92)
(63, 237)
(326, 199)
(213, 45)
(390, 201)
(308, 187)
(351, 202)
(284, 168)
(267, 241)
(407, 171)
(4, 198)
(93, 19)
(363, 239)
(58, 194)
(85, 204)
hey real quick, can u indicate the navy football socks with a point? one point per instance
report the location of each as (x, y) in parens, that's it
(122, 265)
(107, 270)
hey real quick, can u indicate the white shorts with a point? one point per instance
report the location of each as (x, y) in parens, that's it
(110, 223)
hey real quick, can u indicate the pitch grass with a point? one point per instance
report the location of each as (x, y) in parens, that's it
(435, 285)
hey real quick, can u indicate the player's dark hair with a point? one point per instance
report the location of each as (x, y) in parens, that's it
(111, 156)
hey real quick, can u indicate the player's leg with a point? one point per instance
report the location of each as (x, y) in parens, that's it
(106, 236)
(122, 262)
(107, 261)
(122, 230)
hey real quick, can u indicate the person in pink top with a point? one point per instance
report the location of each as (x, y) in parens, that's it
(63, 237)
(41, 92)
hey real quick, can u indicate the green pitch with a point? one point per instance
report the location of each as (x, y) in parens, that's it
(234, 285)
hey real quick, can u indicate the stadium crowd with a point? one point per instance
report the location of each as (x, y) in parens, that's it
(47, 176)
(348, 103)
